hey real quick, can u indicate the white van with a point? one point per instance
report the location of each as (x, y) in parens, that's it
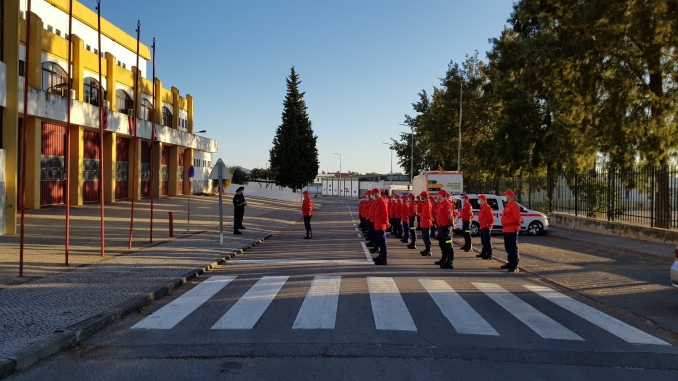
(534, 223)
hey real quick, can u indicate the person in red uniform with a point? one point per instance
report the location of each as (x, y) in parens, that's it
(486, 222)
(307, 212)
(466, 218)
(397, 227)
(412, 211)
(434, 210)
(380, 219)
(405, 219)
(511, 222)
(425, 221)
(445, 221)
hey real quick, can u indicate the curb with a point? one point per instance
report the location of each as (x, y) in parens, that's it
(69, 337)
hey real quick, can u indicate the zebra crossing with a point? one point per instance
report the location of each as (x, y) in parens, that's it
(389, 309)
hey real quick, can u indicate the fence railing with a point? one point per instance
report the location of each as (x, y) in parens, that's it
(643, 197)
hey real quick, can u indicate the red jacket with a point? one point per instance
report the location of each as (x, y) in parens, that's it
(413, 208)
(467, 212)
(426, 219)
(368, 209)
(404, 212)
(396, 209)
(307, 207)
(380, 214)
(511, 218)
(486, 217)
(445, 208)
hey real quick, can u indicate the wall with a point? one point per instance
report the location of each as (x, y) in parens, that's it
(202, 183)
(3, 198)
(286, 194)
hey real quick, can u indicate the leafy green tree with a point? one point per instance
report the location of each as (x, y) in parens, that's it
(294, 156)
(239, 175)
(225, 182)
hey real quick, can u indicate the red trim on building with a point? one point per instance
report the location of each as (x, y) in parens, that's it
(52, 164)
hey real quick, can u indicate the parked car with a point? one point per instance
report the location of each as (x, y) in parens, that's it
(534, 223)
(674, 270)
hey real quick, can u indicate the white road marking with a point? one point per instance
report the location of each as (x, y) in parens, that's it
(602, 320)
(170, 315)
(359, 236)
(246, 312)
(462, 316)
(367, 252)
(356, 229)
(543, 325)
(295, 262)
(388, 306)
(355, 225)
(319, 310)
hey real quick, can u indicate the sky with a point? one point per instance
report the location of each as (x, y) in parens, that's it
(361, 64)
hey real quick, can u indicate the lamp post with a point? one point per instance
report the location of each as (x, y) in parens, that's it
(339, 190)
(390, 148)
(461, 90)
(411, 154)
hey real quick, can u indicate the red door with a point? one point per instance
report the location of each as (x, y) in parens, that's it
(90, 192)
(181, 170)
(165, 170)
(121, 168)
(52, 165)
(145, 169)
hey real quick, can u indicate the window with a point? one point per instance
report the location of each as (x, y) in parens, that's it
(49, 28)
(166, 117)
(118, 63)
(96, 51)
(92, 91)
(88, 47)
(124, 65)
(58, 32)
(146, 109)
(54, 78)
(123, 101)
(22, 68)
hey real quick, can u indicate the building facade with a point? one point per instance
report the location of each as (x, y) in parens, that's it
(127, 150)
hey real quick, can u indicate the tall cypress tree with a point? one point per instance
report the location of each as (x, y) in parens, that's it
(294, 156)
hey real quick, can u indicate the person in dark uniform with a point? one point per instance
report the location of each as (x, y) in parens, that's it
(239, 204)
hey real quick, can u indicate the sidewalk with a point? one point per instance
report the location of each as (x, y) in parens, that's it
(43, 316)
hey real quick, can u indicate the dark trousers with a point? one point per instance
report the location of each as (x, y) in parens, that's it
(362, 222)
(406, 230)
(487, 243)
(467, 233)
(371, 233)
(307, 224)
(397, 226)
(426, 236)
(413, 230)
(393, 226)
(511, 246)
(434, 228)
(238, 214)
(381, 242)
(445, 242)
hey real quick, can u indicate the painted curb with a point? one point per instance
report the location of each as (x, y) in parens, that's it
(69, 337)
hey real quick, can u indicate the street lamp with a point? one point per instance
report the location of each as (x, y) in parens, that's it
(339, 190)
(412, 155)
(461, 89)
(201, 132)
(390, 148)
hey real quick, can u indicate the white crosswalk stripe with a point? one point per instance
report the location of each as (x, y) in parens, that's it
(319, 310)
(248, 309)
(170, 315)
(462, 316)
(543, 325)
(388, 306)
(602, 320)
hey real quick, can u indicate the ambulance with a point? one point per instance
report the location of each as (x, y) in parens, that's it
(434, 181)
(534, 223)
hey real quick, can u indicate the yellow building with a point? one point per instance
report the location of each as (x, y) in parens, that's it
(50, 144)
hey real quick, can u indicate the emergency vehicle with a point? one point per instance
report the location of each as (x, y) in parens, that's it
(433, 181)
(534, 223)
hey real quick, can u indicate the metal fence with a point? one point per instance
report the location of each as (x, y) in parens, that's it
(642, 197)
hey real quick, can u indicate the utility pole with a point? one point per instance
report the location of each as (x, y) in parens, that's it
(340, 189)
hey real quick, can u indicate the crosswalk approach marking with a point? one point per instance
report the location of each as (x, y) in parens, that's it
(359, 236)
(614, 326)
(295, 262)
(248, 309)
(356, 229)
(388, 306)
(319, 310)
(170, 315)
(367, 252)
(460, 314)
(543, 325)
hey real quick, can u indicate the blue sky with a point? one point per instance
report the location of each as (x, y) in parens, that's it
(361, 63)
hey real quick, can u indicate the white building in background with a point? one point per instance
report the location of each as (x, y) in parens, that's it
(202, 166)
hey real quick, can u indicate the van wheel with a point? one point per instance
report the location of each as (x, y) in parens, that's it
(535, 228)
(475, 229)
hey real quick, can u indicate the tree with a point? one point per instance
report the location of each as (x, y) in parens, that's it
(224, 182)
(353, 173)
(239, 175)
(294, 156)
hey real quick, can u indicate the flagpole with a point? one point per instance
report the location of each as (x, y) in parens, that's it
(67, 159)
(153, 140)
(137, 99)
(101, 131)
(22, 173)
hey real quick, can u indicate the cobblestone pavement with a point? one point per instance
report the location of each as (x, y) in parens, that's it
(65, 296)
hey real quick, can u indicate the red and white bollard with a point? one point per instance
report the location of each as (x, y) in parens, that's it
(171, 224)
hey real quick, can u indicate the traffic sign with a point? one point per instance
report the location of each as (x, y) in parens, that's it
(191, 173)
(220, 171)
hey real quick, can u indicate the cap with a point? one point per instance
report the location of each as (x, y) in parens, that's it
(239, 189)
(508, 193)
(369, 192)
(304, 192)
(411, 196)
(465, 197)
(424, 193)
(482, 197)
(376, 190)
(443, 192)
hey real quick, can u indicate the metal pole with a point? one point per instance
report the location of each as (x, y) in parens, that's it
(221, 211)
(101, 131)
(461, 89)
(22, 173)
(133, 140)
(412, 158)
(188, 226)
(152, 141)
(67, 160)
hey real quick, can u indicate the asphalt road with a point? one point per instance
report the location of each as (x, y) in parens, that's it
(293, 309)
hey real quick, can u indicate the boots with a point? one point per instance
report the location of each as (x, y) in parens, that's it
(412, 246)
(441, 261)
(425, 253)
(447, 265)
